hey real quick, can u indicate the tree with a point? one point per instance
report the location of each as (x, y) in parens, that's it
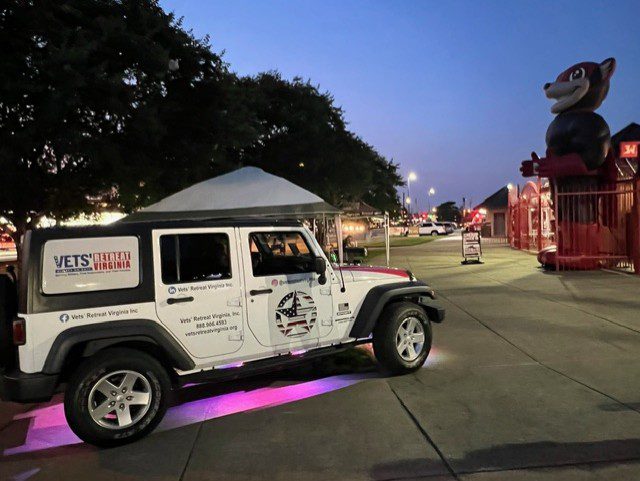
(449, 212)
(112, 100)
(102, 96)
(303, 137)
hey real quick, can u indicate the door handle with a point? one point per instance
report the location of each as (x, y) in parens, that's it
(256, 292)
(176, 300)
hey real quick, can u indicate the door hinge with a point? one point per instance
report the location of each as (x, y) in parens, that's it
(235, 302)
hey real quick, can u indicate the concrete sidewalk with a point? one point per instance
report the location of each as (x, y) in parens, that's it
(534, 369)
(533, 376)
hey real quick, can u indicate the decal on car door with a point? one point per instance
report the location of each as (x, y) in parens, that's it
(296, 314)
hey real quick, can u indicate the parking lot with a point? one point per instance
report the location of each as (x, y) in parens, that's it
(533, 376)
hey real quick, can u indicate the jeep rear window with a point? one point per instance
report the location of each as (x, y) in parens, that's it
(194, 258)
(90, 264)
(278, 253)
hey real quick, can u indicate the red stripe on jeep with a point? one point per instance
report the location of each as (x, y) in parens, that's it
(379, 270)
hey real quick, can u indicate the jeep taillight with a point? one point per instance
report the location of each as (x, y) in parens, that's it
(19, 332)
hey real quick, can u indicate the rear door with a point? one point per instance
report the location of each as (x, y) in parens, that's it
(287, 308)
(198, 289)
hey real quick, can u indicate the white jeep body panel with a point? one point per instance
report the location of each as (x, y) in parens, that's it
(222, 323)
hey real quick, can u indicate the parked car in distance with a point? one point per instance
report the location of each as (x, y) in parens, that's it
(448, 229)
(6, 242)
(431, 228)
(453, 225)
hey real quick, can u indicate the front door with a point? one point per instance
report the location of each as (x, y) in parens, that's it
(287, 308)
(198, 289)
(499, 227)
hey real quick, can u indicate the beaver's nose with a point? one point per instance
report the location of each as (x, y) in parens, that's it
(546, 86)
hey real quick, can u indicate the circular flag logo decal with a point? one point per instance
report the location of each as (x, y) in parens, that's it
(296, 314)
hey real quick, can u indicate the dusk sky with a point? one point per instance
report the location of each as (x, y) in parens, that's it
(450, 90)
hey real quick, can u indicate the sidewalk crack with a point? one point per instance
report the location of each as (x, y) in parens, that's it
(193, 446)
(425, 434)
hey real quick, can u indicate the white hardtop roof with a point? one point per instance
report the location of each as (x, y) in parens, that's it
(246, 192)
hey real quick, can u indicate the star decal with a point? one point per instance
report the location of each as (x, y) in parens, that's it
(296, 314)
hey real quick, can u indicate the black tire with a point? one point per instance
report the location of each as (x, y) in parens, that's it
(83, 380)
(385, 335)
(434, 233)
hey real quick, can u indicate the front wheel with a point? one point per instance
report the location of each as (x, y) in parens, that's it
(118, 396)
(402, 337)
(434, 233)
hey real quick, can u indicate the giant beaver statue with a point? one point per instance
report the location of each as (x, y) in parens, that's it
(578, 157)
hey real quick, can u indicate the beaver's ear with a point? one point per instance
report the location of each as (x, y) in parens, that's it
(607, 67)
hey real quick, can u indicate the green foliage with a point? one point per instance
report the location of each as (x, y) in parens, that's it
(304, 139)
(89, 102)
(113, 100)
(449, 212)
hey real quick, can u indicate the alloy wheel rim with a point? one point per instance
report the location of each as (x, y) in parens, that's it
(410, 339)
(120, 399)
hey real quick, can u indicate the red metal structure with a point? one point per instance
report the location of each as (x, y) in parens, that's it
(530, 217)
(611, 240)
(607, 241)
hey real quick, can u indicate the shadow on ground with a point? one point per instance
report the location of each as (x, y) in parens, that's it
(528, 455)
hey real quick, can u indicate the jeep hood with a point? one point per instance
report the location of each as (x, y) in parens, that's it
(374, 273)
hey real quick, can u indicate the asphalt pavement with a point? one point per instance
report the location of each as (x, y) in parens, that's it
(532, 376)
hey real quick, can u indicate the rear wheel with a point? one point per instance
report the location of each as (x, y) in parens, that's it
(118, 396)
(434, 233)
(402, 337)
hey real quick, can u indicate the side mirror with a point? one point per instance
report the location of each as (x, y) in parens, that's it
(320, 268)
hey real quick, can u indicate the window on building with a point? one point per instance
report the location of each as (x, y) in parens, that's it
(278, 253)
(194, 258)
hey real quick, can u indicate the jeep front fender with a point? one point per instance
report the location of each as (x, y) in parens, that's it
(378, 297)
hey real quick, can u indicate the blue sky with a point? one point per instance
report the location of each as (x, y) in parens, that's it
(449, 89)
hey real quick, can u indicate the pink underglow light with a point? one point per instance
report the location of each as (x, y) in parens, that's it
(48, 428)
(436, 356)
(231, 365)
(298, 353)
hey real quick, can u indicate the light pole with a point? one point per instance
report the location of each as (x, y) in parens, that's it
(410, 177)
(432, 191)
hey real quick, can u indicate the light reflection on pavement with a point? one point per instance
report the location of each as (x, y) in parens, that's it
(48, 428)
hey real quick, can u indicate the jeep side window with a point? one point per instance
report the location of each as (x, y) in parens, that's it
(278, 253)
(194, 258)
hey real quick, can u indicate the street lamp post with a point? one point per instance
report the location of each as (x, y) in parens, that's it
(432, 191)
(410, 177)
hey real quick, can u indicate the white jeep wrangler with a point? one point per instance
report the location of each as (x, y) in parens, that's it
(123, 314)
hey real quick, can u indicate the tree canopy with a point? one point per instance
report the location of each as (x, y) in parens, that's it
(303, 137)
(449, 212)
(114, 100)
